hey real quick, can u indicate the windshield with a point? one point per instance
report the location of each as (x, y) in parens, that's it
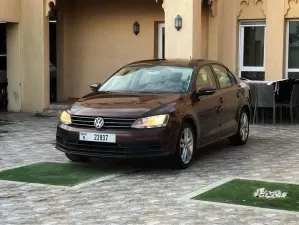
(156, 79)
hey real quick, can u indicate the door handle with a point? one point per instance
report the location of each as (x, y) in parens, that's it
(221, 100)
(238, 94)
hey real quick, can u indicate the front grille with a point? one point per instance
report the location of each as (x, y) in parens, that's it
(110, 123)
(110, 149)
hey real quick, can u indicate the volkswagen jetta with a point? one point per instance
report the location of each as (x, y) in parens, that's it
(157, 108)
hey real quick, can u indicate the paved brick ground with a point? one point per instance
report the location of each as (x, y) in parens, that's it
(148, 195)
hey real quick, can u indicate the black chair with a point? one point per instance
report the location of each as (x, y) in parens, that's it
(292, 105)
(265, 99)
(252, 100)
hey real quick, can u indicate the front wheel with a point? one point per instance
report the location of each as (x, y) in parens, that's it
(185, 146)
(241, 137)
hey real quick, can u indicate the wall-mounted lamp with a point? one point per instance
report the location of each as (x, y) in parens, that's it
(136, 28)
(178, 22)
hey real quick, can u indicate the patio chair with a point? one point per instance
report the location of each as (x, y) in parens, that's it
(265, 99)
(293, 104)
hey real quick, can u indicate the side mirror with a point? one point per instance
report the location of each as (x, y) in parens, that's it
(95, 87)
(207, 90)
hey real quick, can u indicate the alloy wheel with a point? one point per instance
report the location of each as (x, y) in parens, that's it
(186, 145)
(244, 127)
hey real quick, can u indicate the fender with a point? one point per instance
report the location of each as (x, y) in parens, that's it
(241, 108)
(196, 123)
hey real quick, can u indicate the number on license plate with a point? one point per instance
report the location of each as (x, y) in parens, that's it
(101, 137)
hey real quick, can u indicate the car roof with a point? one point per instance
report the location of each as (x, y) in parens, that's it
(172, 62)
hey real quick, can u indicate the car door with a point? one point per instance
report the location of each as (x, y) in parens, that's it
(208, 107)
(229, 92)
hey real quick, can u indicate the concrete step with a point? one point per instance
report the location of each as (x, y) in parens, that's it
(54, 110)
(59, 106)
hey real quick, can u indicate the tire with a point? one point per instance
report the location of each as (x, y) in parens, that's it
(241, 137)
(77, 158)
(184, 153)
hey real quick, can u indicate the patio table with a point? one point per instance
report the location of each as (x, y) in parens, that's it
(282, 88)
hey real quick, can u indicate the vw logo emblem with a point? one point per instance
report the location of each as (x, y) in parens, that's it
(99, 122)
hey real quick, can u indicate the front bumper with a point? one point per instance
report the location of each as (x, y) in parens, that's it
(130, 143)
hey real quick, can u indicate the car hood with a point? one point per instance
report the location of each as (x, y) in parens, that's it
(124, 105)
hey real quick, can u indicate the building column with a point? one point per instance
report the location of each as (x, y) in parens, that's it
(227, 35)
(14, 67)
(275, 32)
(214, 33)
(63, 77)
(185, 43)
(34, 33)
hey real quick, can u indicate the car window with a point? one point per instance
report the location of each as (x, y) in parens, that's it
(205, 78)
(222, 76)
(144, 80)
(232, 78)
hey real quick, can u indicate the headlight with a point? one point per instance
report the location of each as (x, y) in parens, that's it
(65, 118)
(151, 122)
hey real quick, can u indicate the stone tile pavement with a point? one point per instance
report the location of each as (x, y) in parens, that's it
(150, 194)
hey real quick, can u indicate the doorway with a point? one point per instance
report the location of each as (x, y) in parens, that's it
(161, 40)
(3, 68)
(53, 59)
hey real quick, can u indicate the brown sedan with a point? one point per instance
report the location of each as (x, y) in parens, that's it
(157, 108)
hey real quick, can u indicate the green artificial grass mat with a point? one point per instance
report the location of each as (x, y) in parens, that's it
(241, 192)
(62, 174)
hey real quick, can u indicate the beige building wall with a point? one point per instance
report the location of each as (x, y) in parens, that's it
(205, 22)
(95, 38)
(27, 55)
(228, 34)
(222, 41)
(208, 32)
(215, 31)
(275, 41)
(276, 14)
(185, 43)
(10, 10)
(14, 67)
(35, 56)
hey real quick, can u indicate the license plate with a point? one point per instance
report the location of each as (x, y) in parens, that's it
(97, 137)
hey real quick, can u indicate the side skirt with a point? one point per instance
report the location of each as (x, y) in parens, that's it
(217, 140)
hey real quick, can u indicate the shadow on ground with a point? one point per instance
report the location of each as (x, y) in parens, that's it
(164, 163)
